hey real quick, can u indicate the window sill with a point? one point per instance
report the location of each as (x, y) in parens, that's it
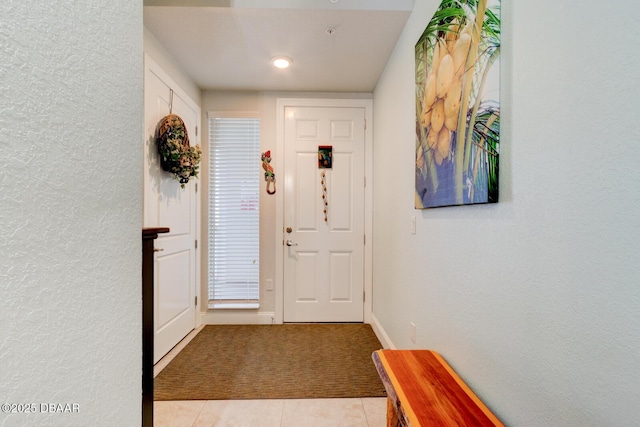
(234, 305)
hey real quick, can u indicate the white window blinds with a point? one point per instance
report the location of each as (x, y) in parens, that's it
(234, 190)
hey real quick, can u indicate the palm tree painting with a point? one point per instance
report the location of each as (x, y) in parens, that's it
(457, 105)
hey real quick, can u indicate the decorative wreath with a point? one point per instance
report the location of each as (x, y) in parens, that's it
(176, 155)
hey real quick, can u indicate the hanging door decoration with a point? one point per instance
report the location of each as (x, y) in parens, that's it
(325, 161)
(325, 157)
(269, 174)
(325, 198)
(177, 156)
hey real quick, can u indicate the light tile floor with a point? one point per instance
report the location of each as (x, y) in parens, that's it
(354, 412)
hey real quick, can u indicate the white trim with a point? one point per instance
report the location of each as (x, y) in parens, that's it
(229, 317)
(223, 114)
(229, 305)
(367, 105)
(402, 5)
(381, 334)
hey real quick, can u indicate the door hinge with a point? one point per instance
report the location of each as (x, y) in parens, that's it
(365, 124)
(196, 301)
(196, 187)
(365, 239)
(365, 182)
(364, 295)
(196, 243)
(196, 130)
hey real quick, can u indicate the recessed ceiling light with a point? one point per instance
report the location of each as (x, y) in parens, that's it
(334, 1)
(281, 61)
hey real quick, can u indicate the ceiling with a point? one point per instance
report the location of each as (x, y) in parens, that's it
(335, 45)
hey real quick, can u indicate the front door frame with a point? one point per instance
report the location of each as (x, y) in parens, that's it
(367, 105)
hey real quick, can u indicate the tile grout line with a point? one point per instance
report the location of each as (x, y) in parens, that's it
(284, 402)
(198, 415)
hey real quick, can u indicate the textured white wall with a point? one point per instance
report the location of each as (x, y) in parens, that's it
(169, 65)
(534, 300)
(71, 210)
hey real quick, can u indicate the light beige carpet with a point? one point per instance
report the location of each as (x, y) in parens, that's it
(273, 362)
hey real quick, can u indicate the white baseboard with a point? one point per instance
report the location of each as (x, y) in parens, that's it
(230, 317)
(381, 334)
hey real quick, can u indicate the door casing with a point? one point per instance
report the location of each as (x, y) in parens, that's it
(367, 105)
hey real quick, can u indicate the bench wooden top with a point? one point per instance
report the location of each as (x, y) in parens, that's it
(428, 392)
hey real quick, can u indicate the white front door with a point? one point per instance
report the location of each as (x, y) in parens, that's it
(324, 254)
(168, 205)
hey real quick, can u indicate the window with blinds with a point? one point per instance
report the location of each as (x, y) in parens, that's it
(234, 192)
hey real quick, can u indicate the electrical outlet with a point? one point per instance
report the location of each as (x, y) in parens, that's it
(412, 332)
(269, 284)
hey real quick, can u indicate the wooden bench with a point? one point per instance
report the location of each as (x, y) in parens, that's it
(423, 390)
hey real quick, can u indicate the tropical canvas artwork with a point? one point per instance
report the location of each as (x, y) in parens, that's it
(458, 105)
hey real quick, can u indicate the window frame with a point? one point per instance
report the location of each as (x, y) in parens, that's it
(227, 303)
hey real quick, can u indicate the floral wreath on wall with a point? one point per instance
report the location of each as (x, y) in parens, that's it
(176, 155)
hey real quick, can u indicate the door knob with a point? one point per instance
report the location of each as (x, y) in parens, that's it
(290, 243)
